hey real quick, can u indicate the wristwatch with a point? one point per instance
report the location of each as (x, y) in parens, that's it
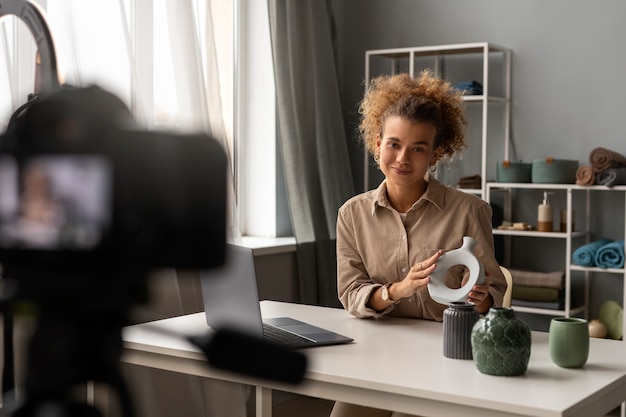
(384, 294)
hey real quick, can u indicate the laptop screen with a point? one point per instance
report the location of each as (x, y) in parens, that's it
(230, 293)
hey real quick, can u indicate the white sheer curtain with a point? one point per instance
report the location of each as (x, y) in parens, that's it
(161, 49)
(17, 74)
(171, 62)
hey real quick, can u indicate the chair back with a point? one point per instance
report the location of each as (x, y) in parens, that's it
(506, 300)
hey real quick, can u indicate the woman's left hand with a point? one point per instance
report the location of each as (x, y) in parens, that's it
(479, 295)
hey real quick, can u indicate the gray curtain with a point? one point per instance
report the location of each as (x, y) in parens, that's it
(312, 139)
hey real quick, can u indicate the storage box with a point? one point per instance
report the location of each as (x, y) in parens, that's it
(513, 171)
(554, 171)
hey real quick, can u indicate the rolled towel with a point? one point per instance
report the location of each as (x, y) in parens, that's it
(585, 175)
(611, 255)
(601, 159)
(612, 176)
(586, 254)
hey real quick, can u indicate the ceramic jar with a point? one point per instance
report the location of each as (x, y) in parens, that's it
(458, 321)
(501, 343)
(569, 341)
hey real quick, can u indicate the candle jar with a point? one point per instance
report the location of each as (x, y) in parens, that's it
(563, 228)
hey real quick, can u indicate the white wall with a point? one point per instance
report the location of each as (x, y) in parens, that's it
(568, 82)
(568, 61)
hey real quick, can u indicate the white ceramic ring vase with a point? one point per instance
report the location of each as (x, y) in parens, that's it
(464, 255)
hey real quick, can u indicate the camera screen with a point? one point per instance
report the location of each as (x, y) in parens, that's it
(54, 202)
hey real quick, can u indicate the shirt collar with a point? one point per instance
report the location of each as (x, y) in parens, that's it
(435, 194)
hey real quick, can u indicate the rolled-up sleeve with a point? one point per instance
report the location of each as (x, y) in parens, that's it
(354, 285)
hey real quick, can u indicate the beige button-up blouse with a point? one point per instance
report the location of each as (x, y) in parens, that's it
(375, 246)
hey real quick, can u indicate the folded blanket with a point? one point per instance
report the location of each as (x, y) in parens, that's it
(585, 175)
(612, 176)
(538, 279)
(558, 305)
(472, 181)
(586, 254)
(611, 255)
(539, 294)
(601, 159)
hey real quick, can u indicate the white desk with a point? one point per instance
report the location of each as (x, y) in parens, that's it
(398, 364)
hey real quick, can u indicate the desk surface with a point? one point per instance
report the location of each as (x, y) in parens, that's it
(398, 364)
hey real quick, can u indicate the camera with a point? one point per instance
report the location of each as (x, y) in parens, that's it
(81, 185)
(89, 205)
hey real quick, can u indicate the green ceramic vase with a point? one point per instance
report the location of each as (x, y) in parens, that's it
(501, 343)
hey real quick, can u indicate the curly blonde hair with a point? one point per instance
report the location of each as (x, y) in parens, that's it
(425, 98)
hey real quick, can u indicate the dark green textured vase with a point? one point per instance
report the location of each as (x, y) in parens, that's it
(501, 343)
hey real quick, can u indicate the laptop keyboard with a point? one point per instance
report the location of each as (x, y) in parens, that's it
(282, 337)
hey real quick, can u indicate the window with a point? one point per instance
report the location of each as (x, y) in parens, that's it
(262, 211)
(165, 59)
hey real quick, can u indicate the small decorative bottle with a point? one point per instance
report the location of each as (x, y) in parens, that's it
(501, 343)
(458, 320)
(545, 215)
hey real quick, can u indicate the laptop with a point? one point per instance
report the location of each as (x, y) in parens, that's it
(231, 300)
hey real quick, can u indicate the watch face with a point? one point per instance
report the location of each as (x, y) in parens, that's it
(385, 294)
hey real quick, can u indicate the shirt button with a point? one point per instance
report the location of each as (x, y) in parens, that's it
(410, 300)
(405, 269)
(403, 237)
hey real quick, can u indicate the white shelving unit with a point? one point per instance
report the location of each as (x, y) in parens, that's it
(480, 50)
(569, 237)
(414, 59)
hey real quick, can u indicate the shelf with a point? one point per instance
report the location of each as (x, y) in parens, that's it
(453, 49)
(477, 191)
(484, 54)
(535, 185)
(494, 99)
(534, 233)
(620, 271)
(548, 312)
(583, 195)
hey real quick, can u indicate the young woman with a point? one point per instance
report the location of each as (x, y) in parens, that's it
(389, 239)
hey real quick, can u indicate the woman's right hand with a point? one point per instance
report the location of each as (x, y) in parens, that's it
(417, 277)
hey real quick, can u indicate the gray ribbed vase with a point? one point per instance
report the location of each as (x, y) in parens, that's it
(458, 320)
